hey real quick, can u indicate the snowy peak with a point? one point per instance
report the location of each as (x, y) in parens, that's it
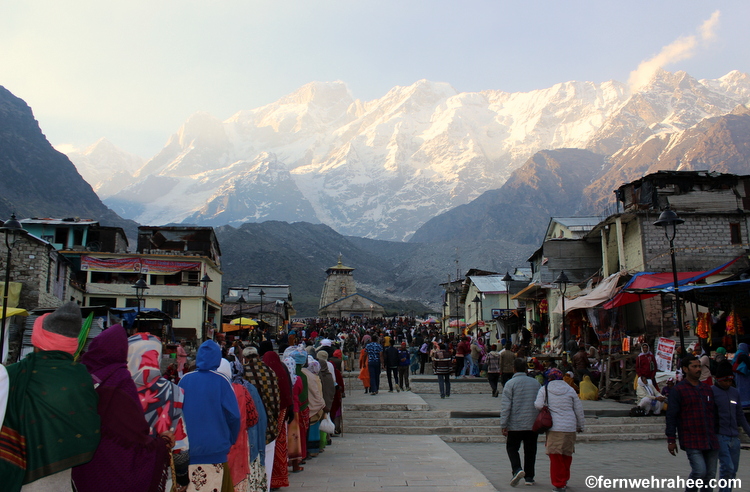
(105, 167)
(382, 168)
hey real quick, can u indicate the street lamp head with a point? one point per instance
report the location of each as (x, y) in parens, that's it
(562, 279)
(140, 286)
(445, 304)
(669, 221)
(507, 278)
(241, 300)
(11, 225)
(476, 298)
(261, 293)
(206, 279)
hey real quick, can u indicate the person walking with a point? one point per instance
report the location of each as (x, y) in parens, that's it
(493, 369)
(507, 359)
(390, 355)
(463, 350)
(690, 416)
(403, 367)
(567, 419)
(517, 415)
(374, 363)
(442, 365)
(730, 418)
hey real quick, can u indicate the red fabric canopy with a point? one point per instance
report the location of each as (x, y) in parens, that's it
(642, 284)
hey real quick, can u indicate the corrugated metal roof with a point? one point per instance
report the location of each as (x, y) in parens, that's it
(489, 283)
(577, 222)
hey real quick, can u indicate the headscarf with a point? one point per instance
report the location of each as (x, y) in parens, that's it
(554, 374)
(272, 360)
(291, 366)
(58, 330)
(128, 456)
(225, 369)
(313, 365)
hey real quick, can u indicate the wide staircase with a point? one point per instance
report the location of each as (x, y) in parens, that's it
(417, 418)
(454, 426)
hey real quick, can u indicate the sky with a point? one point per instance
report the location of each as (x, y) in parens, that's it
(133, 71)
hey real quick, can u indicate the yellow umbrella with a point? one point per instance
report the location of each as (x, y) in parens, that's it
(244, 322)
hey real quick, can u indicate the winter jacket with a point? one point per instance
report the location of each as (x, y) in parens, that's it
(210, 409)
(391, 356)
(564, 405)
(517, 410)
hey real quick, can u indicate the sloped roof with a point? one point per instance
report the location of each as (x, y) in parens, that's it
(489, 284)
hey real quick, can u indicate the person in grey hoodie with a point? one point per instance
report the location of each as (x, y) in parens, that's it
(567, 419)
(517, 415)
(730, 418)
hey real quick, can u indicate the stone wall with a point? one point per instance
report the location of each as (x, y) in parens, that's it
(34, 265)
(702, 242)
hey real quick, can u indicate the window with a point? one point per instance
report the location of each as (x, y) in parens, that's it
(171, 308)
(61, 236)
(134, 303)
(735, 233)
(103, 301)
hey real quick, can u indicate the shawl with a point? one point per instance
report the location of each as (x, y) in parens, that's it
(161, 399)
(239, 466)
(328, 385)
(256, 433)
(128, 457)
(266, 382)
(303, 396)
(272, 360)
(340, 393)
(33, 445)
(314, 392)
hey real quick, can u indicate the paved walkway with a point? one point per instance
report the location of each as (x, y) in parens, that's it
(372, 462)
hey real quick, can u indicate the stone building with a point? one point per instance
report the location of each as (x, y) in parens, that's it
(339, 298)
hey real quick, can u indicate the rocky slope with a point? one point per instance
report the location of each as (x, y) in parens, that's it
(37, 180)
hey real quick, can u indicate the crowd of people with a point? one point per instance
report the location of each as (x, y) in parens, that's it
(241, 419)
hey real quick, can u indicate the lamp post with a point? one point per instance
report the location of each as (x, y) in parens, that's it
(260, 310)
(507, 279)
(562, 283)
(669, 221)
(458, 318)
(241, 301)
(476, 302)
(11, 227)
(140, 286)
(205, 281)
(445, 307)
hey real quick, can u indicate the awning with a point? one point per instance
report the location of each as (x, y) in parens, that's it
(10, 312)
(645, 285)
(532, 292)
(601, 294)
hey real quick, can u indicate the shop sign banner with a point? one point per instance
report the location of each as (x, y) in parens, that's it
(89, 263)
(664, 351)
(169, 266)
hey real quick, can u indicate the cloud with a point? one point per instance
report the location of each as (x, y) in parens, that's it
(680, 49)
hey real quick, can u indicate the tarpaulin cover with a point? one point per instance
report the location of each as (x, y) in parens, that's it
(645, 285)
(600, 294)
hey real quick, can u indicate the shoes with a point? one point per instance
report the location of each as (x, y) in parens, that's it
(390, 391)
(447, 396)
(530, 482)
(442, 396)
(559, 489)
(398, 389)
(373, 394)
(517, 478)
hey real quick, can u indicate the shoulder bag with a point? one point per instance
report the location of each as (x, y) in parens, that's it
(543, 421)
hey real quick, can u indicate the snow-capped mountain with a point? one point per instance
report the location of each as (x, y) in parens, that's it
(105, 167)
(382, 168)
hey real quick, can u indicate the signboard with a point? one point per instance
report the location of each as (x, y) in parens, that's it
(501, 313)
(664, 351)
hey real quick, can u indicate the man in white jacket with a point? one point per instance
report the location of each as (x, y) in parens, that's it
(649, 398)
(567, 419)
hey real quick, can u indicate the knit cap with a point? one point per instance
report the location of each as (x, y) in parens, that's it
(65, 320)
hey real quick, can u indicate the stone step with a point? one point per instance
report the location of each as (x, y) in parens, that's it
(584, 437)
(422, 430)
(386, 407)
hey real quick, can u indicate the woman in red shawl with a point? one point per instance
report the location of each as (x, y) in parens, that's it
(128, 458)
(280, 473)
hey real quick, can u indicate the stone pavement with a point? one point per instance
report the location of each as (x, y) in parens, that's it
(410, 463)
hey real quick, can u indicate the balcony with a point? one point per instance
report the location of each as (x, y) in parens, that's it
(126, 290)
